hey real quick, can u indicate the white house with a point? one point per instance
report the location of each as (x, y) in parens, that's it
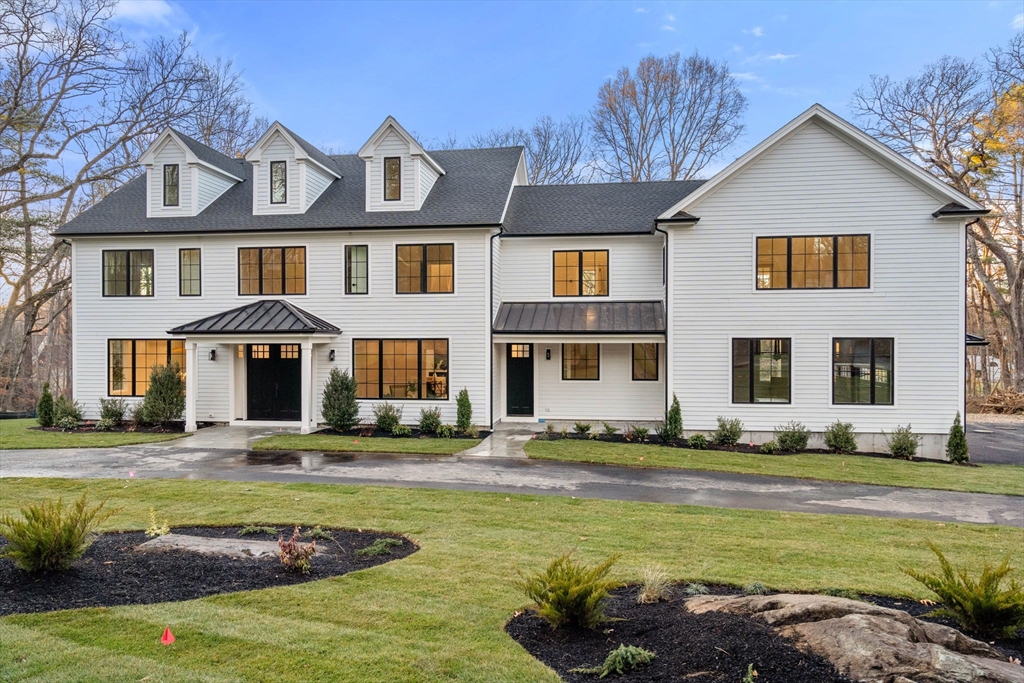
(819, 277)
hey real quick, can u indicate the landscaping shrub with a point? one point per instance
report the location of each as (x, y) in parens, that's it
(155, 528)
(67, 424)
(380, 546)
(318, 534)
(295, 555)
(696, 589)
(340, 409)
(751, 675)
(756, 588)
(609, 430)
(769, 447)
(50, 537)
(654, 585)
(430, 420)
(473, 432)
(641, 434)
(463, 411)
(401, 430)
(582, 428)
(792, 437)
(137, 415)
(673, 427)
(570, 593)
(630, 433)
(842, 593)
(839, 437)
(105, 425)
(549, 429)
(956, 445)
(445, 432)
(698, 442)
(256, 529)
(386, 416)
(729, 431)
(902, 443)
(165, 397)
(44, 407)
(621, 660)
(66, 409)
(113, 409)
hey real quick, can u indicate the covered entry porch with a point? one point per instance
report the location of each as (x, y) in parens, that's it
(269, 348)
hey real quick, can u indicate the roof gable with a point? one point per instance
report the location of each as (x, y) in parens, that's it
(303, 150)
(195, 153)
(415, 149)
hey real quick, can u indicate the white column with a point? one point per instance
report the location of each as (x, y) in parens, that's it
(307, 386)
(191, 384)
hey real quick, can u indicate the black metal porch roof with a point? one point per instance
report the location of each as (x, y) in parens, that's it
(271, 316)
(581, 317)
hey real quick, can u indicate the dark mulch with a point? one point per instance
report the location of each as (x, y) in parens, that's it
(110, 573)
(369, 430)
(89, 426)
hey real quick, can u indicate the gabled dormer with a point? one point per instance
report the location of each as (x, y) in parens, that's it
(399, 173)
(289, 174)
(184, 176)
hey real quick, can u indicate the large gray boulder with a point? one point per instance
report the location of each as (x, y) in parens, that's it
(238, 548)
(871, 644)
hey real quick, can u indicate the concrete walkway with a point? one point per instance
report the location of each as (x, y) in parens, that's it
(204, 456)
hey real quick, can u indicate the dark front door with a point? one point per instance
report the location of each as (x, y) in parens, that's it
(274, 381)
(520, 379)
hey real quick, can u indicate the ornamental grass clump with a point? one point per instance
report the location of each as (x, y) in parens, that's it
(570, 593)
(654, 585)
(982, 606)
(839, 437)
(956, 445)
(340, 409)
(51, 537)
(792, 437)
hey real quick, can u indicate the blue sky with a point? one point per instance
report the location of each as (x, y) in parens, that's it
(332, 71)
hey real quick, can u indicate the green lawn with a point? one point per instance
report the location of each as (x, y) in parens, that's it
(16, 434)
(359, 444)
(438, 614)
(1005, 479)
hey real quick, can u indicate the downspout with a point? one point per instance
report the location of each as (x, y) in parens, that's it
(664, 270)
(490, 321)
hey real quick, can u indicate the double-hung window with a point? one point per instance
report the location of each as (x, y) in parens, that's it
(425, 268)
(825, 262)
(862, 371)
(581, 361)
(278, 182)
(272, 270)
(130, 362)
(128, 272)
(171, 172)
(401, 368)
(392, 179)
(357, 269)
(581, 273)
(190, 281)
(760, 371)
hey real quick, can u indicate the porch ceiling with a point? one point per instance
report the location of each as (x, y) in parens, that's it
(581, 317)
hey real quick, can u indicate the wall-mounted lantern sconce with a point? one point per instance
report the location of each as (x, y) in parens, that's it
(213, 354)
(547, 354)
(330, 355)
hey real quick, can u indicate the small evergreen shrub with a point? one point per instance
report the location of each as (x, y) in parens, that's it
(842, 593)
(696, 589)
(641, 434)
(380, 546)
(113, 409)
(839, 437)
(401, 430)
(296, 555)
(654, 585)
(386, 416)
(50, 537)
(339, 406)
(609, 430)
(318, 534)
(756, 588)
(137, 415)
(698, 442)
(621, 660)
(251, 529)
(956, 445)
(582, 428)
(473, 432)
(430, 420)
(165, 398)
(672, 429)
(902, 443)
(751, 675)
(445, 432)
(463, 411)
(769, 447)
(44, 407)
(66, 409)
(155, 528)
(630, 433)
(67, 424)
(792, 437)
(105, 424)
(729, 431)
(570, 593)
(981, 606)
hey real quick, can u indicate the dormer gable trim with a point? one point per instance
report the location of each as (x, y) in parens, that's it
(300, 146)
(415, 149)
(169, 134)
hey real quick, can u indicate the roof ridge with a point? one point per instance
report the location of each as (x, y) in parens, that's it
(636, 183)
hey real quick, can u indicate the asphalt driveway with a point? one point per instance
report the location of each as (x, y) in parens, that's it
(998, 443)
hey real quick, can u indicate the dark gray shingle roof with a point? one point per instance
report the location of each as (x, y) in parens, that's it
(211, 156)
(597, 209)
(313, 152)
(584, 317)
(473, 191)
(270, 316)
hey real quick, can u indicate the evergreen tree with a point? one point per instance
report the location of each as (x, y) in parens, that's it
(165, 397)
(340, 409)
(464, 413)
(44, 408)
(956, 446)
(673, 428)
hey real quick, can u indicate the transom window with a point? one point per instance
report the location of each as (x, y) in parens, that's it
(581, 361)
(357, 269)
(760, 370)
(278, 182)
(827, 262)
(401, 368)
(259, 351)
(272, 270)
(130, 362)
(289, 351)
(862, 371)
(425, 268)
(171, 184)
(581, 273)
(128, 272)
(520, 350)
(645, 362)
(189, 275)
(392, 179)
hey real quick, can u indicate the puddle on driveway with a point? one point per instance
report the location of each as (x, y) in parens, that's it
(310, 461)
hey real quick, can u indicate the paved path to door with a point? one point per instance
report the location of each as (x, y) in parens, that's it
(216, 454)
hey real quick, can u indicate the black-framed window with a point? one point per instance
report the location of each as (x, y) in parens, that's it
(581, 361)
(761, 371)
(392, 179)
(425, 268)
(130, 362)
(190, 277)
(271, 270)
(128, 272)
(278, 182)
(406, 369)
(171, 195)
(645, 362)
(357, 269)
(816, 262)
(862, 371)
(581, 273)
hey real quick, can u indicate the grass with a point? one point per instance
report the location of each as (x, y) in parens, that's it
(359, 444)
(16, 434)
(1003, 479)
(439, 613)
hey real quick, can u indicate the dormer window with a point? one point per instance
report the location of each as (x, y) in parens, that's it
(392, 179)
(278, 182)
(170, 184)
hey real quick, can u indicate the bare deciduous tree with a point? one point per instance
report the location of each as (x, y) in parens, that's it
(557, 152)
(223, 118)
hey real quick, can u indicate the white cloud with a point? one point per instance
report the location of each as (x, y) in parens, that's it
(756, 31)
(666, 27)
(670, 17)
(779, 57)
(746, 76)
(145, 11)
(1018, 22)
(641, 10)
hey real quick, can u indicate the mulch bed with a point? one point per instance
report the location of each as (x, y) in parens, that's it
(111, 573)
(89, 427)
(369, 430)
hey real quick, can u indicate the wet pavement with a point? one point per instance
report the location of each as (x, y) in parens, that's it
(998, 443)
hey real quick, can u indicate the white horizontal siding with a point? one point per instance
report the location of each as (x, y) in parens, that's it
(210, 186)
(171, 153)
(427, 177)
(316, 182)
(277, 149)
(392, 145)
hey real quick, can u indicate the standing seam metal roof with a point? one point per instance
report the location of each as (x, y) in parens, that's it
(268, 316)
(581, 317)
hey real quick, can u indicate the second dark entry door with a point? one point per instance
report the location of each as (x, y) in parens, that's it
(519, 367)
(274, 381)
